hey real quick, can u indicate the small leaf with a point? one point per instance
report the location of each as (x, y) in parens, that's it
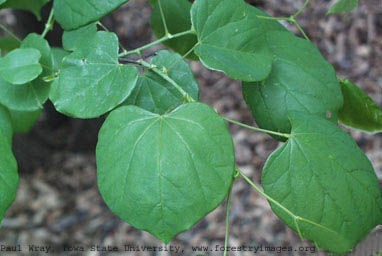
(91, 81)
(343, 6)
(359, 110)
(74, 14)
(164, 173)
(232, 38)
(8, 166)
(301, 80)
(33, 6)
(30, 96)
(321, 175)
(8, 44)
(178, 19)
(20, 66)
(155, 94)
(75, 39)
(23, 121)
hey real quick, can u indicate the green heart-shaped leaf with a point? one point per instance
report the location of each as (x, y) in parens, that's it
(163, 173)
(232, 39)
(91, 80)
(20, 66)
(321, 175)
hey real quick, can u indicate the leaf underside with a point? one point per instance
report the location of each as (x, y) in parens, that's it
(359, 110)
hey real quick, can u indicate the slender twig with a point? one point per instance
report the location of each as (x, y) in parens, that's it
(49, 23)
(301, 9)
(10, 33)
(163, 39)
(301, 30)
(291, 19)
(163, 18)
(126, 60)
(285, 135)
(227, 210)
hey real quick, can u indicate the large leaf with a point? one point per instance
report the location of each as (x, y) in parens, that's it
(74, 14)
(164, 173)
(320, 174)
(359, 110)
(8, 165)
(20, 66)
(33, 6)
(178, 19)
(91, 81)
(301, 80)
(342, 6)
(30, 96)
(155, 94)
(233, 39)
(8, 44)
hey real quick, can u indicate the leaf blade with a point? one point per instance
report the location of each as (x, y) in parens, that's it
(321, 175)
(159, 182)
(30, 96)
(92, 83)
(231, 38)
(20, 66)
(359, 110)
(343, 6)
